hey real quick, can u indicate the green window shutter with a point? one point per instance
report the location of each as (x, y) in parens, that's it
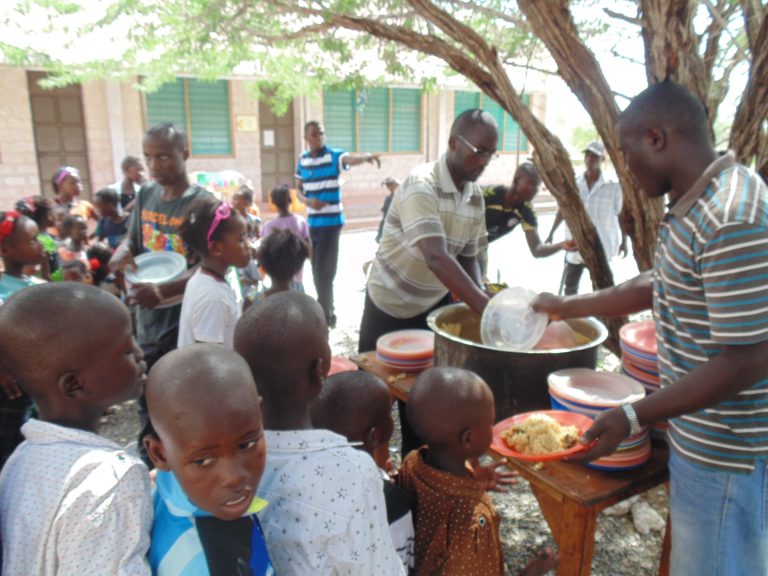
(515, 139)
(465, 101)
(406, 120)
(373, 117)
(494, 109)
(167, 104)
(339, 119)
(210, 118)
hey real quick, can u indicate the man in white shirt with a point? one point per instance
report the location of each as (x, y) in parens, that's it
(602, 199)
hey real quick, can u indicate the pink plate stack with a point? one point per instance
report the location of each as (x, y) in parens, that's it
(639, 360)
(406, 350)
(639, 353)
(589, 392)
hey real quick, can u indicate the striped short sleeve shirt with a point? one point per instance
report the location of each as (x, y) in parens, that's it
(710, 290)
(427, 204)
(320, 180)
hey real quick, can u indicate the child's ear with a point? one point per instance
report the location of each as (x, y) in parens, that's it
(466, 438)
(657, 137)
(70, 385)
(317, 377)
(215, 248)
(156, 452)
(371, 439)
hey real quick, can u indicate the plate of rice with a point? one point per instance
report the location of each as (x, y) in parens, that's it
(540, 435)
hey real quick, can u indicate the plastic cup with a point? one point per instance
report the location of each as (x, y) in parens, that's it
(510, 323)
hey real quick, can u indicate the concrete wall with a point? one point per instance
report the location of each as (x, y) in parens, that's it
(96, 115)
(19, 175)
(115, 121)
(362, 185)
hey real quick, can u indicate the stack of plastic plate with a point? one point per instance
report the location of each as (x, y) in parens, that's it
(639, 353)
(589, 392)
(406, 350)
(639, 360)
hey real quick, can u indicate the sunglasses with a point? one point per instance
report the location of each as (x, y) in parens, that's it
(479, 154)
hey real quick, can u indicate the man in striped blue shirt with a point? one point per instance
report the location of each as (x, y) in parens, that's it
(709, 292)
(318, 181)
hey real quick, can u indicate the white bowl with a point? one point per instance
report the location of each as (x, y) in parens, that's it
(510, 323)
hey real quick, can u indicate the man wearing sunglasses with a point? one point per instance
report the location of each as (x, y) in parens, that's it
(432, 236)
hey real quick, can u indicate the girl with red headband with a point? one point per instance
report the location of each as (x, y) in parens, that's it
(218, 234)
(19, 247)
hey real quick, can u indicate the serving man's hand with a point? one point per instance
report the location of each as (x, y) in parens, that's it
(604, 436)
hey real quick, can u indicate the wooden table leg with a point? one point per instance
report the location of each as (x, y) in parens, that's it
(577, 539)
(573, 527)
(665, 547)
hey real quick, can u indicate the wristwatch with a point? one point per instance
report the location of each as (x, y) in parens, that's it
(634, 423)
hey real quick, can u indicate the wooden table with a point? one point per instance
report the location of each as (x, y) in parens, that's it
(398, 382)
(570, 495)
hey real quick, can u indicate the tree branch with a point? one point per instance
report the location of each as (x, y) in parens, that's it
(634, 20)
(513, 64)
(716, 15)
(475, 7)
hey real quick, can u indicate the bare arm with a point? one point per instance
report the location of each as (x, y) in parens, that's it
(632, 296)
(555, 225)
(472, 267)
(707, 385)
(357, 159)
(539, 249)
(123, 256)
(452, 274)
(623, 246)
(313, 203)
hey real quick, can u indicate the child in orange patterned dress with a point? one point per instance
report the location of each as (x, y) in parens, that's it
(457, 527)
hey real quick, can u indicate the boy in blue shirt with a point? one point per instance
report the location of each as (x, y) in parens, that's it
(207, 442)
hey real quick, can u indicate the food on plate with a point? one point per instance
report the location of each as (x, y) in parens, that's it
(540, 434)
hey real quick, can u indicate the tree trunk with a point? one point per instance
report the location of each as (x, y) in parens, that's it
(552, 22)
(749, 133)
(671, 45)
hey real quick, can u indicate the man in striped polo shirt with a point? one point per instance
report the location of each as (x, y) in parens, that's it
(709, 292)
(317, 176)
(432, 236)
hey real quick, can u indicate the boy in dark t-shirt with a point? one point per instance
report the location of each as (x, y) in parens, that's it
(508, 206)
(152, 227)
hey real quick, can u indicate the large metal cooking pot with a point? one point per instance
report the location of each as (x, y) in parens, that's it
(518, 379)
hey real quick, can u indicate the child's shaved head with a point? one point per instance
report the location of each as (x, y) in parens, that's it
(202, 379)
(49, 329)
(352, 403)
(207, 427)
(284, 339)
(444, 402)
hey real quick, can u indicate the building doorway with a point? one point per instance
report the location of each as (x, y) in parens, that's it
(278, 158)
(57, 118)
